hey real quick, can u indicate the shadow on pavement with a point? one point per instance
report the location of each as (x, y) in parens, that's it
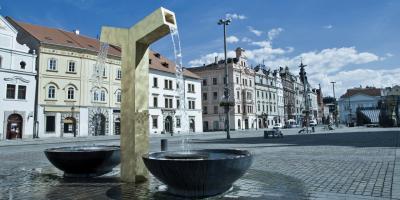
(355, 139)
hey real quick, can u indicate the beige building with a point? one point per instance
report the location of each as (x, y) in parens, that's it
(69, 103)
(241, 83)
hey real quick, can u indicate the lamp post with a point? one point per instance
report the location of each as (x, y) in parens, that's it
(334, 97)
(226, 22)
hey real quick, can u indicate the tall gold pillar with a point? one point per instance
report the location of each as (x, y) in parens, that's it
(134, 43)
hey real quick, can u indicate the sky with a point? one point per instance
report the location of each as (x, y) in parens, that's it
(352, 42)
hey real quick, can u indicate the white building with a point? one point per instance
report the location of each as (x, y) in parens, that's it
(17, 83)
(267, 97)
(357, 98)
(164, 100)
(241, 83)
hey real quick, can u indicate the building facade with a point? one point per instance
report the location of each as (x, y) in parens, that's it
(242, 89)
(358, 98)
(70, 103)
(17, 83)
(165, 117)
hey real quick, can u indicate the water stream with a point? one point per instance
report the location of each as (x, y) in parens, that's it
(97, 78)
(180, 90)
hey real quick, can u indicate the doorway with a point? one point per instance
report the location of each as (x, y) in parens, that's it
(99, 124)
(14, 127)
(191, 125)
(168, 124)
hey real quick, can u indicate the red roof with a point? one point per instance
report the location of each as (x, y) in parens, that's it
(369, 91)
(60, 37)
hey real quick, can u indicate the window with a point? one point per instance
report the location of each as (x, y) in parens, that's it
(70, 93)
(10, 91)
(191, 88)
(21, 92)
(215, 95)
(50, 123)
(224, 80)
(104, 72)
(155, 102)
(95, 96)
(178, 122)
(238, 94)
(52, 65)
(168, 84)
(258, 94)
(1, 61)
(168, 103)
(258, 107)
(237, 80)
(192, 105)
(205, 110)
(51, 92)
(155, 121)
(245, 82)
(103, 96)
(204, 82)
(204, 96)
(119, 97)
(215, 109)
(155, 82)
(249, 96)
(178, 103)
(250, 83)
(238, 108)
(22, 64)
(214, 81)
(119, 74)
(71, 66)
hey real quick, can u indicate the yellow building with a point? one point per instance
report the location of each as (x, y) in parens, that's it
(69, 104)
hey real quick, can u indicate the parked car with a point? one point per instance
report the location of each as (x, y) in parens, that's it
(277, 126)
(313, 122)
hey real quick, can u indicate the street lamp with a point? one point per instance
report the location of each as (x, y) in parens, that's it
(334, 97)
(303, 77)
(226, 22)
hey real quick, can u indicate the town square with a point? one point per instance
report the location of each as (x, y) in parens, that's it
(199, 100)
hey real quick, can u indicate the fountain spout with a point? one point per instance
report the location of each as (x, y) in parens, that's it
(134, 43)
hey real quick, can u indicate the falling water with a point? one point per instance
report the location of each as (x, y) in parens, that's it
(97, 83)
(180, 86)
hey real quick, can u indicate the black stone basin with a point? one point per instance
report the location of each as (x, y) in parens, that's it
(84, 161)
(198, 173)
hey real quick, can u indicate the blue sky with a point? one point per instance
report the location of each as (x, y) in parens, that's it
(352, 42)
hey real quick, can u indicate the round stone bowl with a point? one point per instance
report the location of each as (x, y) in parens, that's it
(198, 173)
(84, 161)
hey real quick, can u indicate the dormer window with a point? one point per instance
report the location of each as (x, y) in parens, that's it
(149, 61)
(165, 64)
(157, 55)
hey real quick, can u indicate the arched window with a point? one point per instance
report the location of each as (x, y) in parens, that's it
(119, 96)
(103, 96)
(71, 93)
(51, 92)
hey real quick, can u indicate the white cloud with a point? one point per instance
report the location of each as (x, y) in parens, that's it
(235, 16)
(255, 31)
(329, 26)
(246, 39)
(209, 58)
(232, 39)
(273, 33)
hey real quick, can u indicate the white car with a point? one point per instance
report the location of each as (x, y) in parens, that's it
(277, 126)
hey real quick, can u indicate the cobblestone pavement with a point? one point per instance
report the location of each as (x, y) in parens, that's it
(348, 165)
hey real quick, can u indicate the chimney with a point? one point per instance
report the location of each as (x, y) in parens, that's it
(76, 31)
(216, 59)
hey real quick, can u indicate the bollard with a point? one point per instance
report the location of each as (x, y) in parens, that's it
(164, 145)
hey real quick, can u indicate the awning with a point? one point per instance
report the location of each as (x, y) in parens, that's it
(373, 115)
